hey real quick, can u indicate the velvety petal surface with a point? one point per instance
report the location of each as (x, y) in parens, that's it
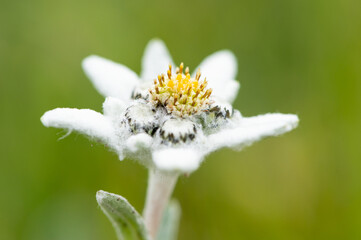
(220, 69)
(156, 60)
(114, 107)
(111, 79)
(248, 130)
(177, 159)
(85, 121)
(139, 142)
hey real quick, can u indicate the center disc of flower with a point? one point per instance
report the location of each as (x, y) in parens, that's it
(181, 94)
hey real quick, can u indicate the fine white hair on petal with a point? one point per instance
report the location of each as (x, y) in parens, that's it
(109, 78)
(85, 121)
(229, 90)
(138, 142)
(155, 60)
(252, 129)
(220, 69)
(177, 159)
(113, 107)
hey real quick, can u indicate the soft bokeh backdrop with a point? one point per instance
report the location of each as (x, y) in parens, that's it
(299, 56)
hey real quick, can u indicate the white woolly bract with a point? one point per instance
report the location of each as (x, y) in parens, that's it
(139, 142)
(109, 78)
(86, 121)
(177, 159)
(113, 107)
(247, 130)
(220, 69)
(155, 60)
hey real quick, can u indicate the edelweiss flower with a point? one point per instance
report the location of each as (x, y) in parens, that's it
(167, 118)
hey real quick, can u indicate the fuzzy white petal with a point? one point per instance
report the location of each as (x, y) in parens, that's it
(228, 90)
(85, 121)
(252, 129)
(109, 78)
(113, 107)
(138, 142)
(220, 69)
(156, 60)
(177, 159)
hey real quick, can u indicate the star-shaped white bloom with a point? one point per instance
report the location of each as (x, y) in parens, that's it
(173, 123)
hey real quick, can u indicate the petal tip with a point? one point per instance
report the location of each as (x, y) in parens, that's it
(228, 53)
(294, 120)
(227, 56)
(156, 41)
(46, 118)
(89, 61)
(43, 120)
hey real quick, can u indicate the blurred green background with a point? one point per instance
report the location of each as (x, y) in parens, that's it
(295, 56)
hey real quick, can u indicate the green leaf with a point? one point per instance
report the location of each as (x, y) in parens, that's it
(126, 220)
(170, 222)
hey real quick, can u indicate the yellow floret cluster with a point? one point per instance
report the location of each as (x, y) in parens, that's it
(181, 94)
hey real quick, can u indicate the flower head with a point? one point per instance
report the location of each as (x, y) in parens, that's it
(168, 118)
(181, 94)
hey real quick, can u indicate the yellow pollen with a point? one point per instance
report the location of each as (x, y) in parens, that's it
(170, 84)
(180, 93)
(179, 77)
